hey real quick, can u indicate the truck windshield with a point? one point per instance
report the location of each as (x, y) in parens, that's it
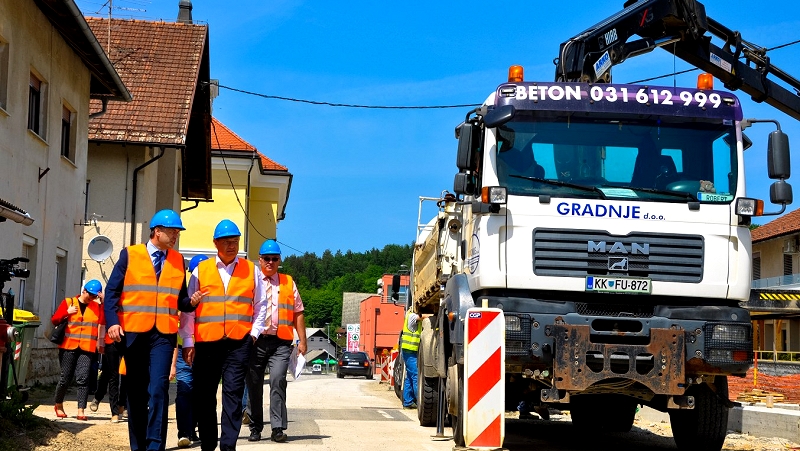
(663, 160)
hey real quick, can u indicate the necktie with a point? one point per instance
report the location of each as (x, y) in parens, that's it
(159, 255)
(268, 319)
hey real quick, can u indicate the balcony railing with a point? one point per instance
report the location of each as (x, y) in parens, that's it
(779, 356)
(792, 281)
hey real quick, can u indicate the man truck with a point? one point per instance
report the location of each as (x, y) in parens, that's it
(610, 224)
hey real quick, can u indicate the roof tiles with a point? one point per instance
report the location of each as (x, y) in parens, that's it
(786, 224)
(223, 138)
(159, 62)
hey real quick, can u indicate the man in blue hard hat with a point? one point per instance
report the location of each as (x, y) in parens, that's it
(144, 293)
(274, 326)
(218, 336)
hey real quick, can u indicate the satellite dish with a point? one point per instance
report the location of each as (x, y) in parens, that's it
(100, 248)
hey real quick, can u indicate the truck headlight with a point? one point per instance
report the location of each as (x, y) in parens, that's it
(749, 207)
(729, 332)
(513, 323)
(494, 195)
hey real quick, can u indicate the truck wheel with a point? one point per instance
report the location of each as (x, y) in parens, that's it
(704, 427)
(399, 377)
(457, 421)
(428, 396)
(603, 413)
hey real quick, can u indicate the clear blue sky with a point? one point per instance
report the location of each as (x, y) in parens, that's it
(358, 173)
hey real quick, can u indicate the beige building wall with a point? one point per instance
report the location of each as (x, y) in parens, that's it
(771, 257)
(110, 193)
(33, 174)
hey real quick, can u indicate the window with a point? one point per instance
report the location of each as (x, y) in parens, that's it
(37, 96)
(756, 265)
(67, 133)
(3, 73)
(787, 265)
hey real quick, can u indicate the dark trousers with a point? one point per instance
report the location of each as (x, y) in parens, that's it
(187, 424)
(224, 359)
(148, 360)
(77, 363)
(273, 353)
(110, 381)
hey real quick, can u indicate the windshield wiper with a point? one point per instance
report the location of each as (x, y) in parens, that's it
(681, 194)
(591, 189)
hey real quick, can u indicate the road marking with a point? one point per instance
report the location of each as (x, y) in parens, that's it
(385, 415)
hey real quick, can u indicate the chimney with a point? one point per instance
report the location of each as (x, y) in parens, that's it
(185, 11)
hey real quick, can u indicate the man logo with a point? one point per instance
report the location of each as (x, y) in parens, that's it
(617, 248)
(618, 264)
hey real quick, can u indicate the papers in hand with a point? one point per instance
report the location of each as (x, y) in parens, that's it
(296, 363)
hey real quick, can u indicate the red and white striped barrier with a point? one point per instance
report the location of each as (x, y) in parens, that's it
(384, 367)
(484, 378)
(18, 350)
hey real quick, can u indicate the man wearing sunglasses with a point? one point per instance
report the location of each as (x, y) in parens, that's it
(276, 322)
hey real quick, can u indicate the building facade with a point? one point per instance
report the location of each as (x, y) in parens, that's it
(51, 66)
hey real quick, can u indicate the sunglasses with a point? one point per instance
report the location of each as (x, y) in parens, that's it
(271, 259)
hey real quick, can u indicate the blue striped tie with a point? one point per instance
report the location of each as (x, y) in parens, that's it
(159, 255)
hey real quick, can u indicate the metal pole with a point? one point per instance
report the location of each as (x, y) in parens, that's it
(327, 334)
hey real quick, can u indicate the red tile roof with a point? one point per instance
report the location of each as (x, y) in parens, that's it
(223, 138)
(160, 63)
(785, 225)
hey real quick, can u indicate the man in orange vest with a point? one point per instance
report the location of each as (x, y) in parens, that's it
(217, 336)
(144, 293)
(274, 327)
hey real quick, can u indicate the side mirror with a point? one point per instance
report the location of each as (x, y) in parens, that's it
(778, 163)
(780, 192)
(464, 184)
(499, 116)
(468, 139)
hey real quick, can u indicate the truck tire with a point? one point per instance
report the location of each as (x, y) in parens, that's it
(603, 413)
(428, 396)
(704, 427)
(399, 377)
(457, 421)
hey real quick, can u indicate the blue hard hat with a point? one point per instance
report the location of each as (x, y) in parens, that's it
(167, 218)
(270, 247)
(196, 261)
(226, 227)
(93, 287)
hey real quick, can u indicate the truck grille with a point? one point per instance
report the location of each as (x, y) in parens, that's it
(565, 253)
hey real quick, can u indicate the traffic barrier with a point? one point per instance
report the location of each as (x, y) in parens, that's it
(384, 369)
(18, 350)
(484, 378)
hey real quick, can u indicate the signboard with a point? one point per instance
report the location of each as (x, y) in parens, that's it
(353, 335)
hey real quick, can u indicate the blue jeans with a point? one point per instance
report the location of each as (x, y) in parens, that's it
(410, 385)
(183, 400)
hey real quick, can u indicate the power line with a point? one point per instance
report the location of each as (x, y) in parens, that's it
(349, 105)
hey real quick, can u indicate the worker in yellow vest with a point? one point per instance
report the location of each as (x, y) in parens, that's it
(144, 293)
(217, 336)
(274, 327)
(409, 346)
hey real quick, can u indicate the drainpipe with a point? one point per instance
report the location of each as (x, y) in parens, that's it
(102, 110)
(133, 192)
(247, 204)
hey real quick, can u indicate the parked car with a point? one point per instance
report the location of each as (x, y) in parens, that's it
(354, 364)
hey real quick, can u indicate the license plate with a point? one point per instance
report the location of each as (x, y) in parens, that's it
(618, 285)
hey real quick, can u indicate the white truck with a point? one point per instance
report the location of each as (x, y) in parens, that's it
(610, 224)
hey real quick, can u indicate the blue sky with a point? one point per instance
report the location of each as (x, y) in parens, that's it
(358, 173)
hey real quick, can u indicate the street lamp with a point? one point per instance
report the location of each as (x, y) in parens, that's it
(328, 335)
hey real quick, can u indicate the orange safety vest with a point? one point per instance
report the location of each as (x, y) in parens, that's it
(82, 328)
(146, 302)
(285, 307)
(224, 314)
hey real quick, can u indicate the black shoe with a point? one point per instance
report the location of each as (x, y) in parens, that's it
(254, 436)
(278, 435)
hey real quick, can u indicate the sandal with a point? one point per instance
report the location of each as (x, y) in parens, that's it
(59, 408)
